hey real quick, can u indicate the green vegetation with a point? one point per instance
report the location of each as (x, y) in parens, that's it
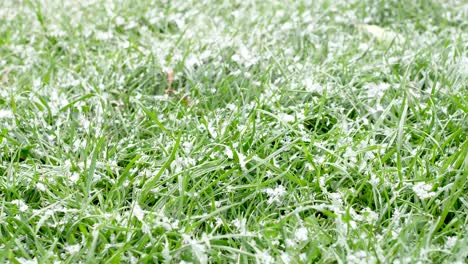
(209, 131)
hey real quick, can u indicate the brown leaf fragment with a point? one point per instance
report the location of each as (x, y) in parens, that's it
(170, 92)
(185, 100)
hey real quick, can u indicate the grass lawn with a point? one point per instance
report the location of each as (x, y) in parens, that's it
(248, 131)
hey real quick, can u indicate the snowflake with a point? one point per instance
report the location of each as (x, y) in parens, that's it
(73, 249)
(301, 234)
(275, 194)
(21, 205)
(286, 118)
(423, 190)
(138, 212)
(376, 90)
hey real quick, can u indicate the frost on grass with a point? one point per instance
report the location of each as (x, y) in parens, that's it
(307, 139)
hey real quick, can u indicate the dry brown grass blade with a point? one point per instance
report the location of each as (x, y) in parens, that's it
(5, 76)
(170, 78)
(170, 92)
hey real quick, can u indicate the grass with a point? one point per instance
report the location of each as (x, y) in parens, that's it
(290, 132)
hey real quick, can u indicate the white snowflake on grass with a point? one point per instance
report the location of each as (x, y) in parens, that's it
(212, 131)
(244, 56)
(138, 212)
(361, 257)
(21, 205)
(188, 146)
(41, 187)
(350, 155)
(27, 261)
(423, 190)
(73, 249)
(286, 118)
(242, 161)
(119, 21)
(241, 225)
(369, 216)
(198, 249)
(286, 258)
(6, 114)
(104, 35)
(166, 253)
(228, 153)
(450, 242)
(462, 62)
(274, 195)
(376, 90)
(264, 257)
(311, 86)
(301, 234)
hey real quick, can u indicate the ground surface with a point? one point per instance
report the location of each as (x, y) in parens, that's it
(292, 131)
